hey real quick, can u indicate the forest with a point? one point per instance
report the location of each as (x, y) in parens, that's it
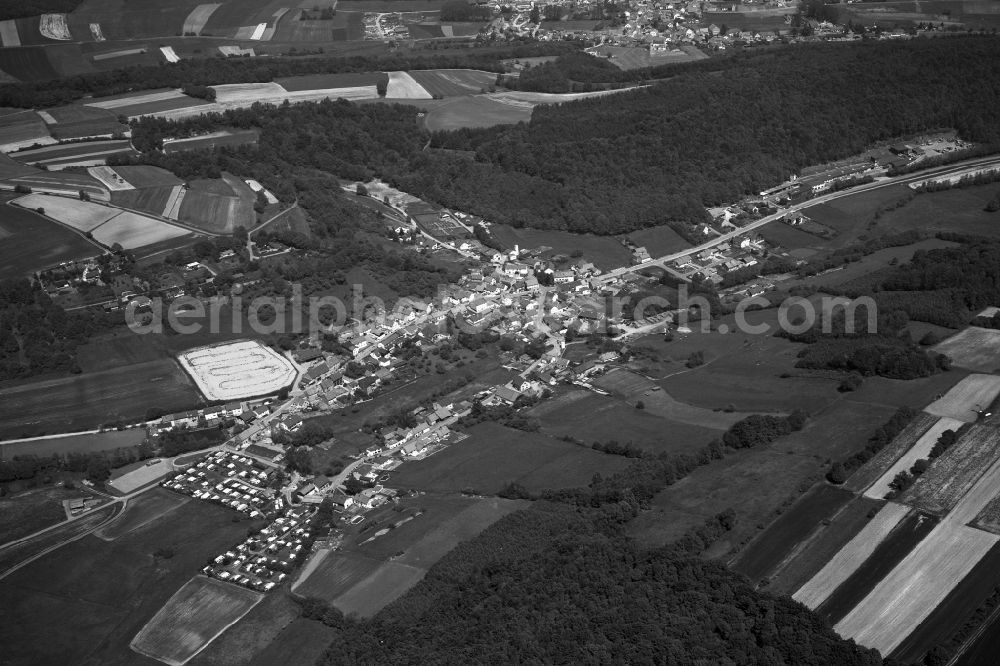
(12, 9)
(561, 585)
(640, 158)
(39, 337)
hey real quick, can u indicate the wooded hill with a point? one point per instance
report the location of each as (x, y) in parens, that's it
(656, 155)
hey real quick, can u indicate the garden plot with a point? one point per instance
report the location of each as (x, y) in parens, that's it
(921, 449)
(237, 370)
(403, 86)
(131, 230)
(80, 215)
(54, 26)
(967, 398)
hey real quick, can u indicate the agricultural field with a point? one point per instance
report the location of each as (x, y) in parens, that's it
(27, 64)
(327, 81)
(59, 154)
(79, 443)
(301, 642)
(137, 20)
(589, 417)
(211, 212)
(380, 565)
(752, 21)
(85, 401)
(875, 468)
(634, 388)
(493, 456)
(72, 114)
(454, 82)
(950, 477)
(237, 370)
(86, 600)
(779, 540)
(195, 21)
(230, 15)
(80, 215)
(212, 140)
(26, 512)
(849, 558)
(472, 112)
(22, 129)
(904, 598)
(403, 86)
(958, 210)
(962, 402)
(147, 176)
(952, 612)
(192, 618)
(920, 449)
(141, 511)
(149, 199)
(30, 243)
(975, 348)
(628, 58)
(811, 555)
(131, 231)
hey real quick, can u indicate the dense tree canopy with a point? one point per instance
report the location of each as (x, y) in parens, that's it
(555, 585)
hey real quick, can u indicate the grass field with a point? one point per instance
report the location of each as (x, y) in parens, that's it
(973, 393)
(494, 455)
(590, 417)
(472, 112)
(875, 468)
(213, 212)
(380, 565)
(22, 129)
(147, 176)
(131, 230)
(301, 642)
(85, 443)
(773, 545)
(193, 617)
(85, 601)
(149, 199)
(27, 64)
(659, 241)
(235, 14)
(81, 402)
(811, 555)
(847, 560)
(974, 348)
(142, 511)
(32, 243)
(950, 477)
(213, 140)
(403, 86)
(603, 251)
(454, 82)
(26, 512)
(901, 601)
(740, 371)
(325, 81)
(74, 213)
(920, 449)
(136, 20)
(634, 388)
(57, 153)
(752, 482)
